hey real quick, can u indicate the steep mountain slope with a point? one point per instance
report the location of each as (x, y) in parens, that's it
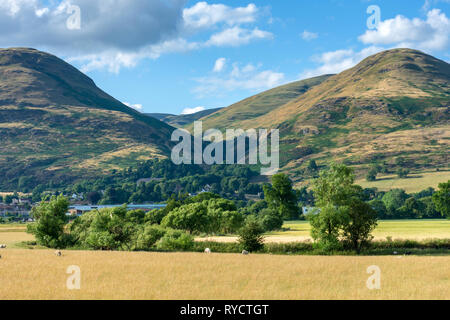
(56, 124)
(182, 119)
(395, 103)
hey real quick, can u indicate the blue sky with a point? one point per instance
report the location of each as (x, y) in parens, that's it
(191, 55)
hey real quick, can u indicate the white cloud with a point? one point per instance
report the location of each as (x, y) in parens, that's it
(337, 61)
(120, 33)
(219, 65)
(138, 107)
(203, 15)
(428, 35)
(247, 77)
(308, 36)
(237, 36)
(192, 110)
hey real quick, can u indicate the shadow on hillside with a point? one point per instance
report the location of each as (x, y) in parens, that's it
(396, 178)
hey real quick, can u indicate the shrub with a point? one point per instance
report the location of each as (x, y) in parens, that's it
(175, 240)
(270, 220)
(251, 235)
(148, 236)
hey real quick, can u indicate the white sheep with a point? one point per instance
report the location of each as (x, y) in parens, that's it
(245, 253)
(2, 246)
(208, 250)
(58, 253)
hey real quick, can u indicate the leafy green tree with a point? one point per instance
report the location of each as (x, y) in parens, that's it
(312, 166)
(51, 219)
(335, 187)
(402, 173)
(155, 216)
(372, 174)
(359, 222)
(413, 209)
(93, 197)
(343, 213)
(251, 235)
(394, 200)
(110, 230)
(326, 226)
(441, 199)
(281, 197)
(379, 207)
(430, 208)
(175, 240)
(8, 198)
(270, 219)
(149, 236)
(191, 217)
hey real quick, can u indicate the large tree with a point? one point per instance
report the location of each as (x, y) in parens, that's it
(342, 213)
(191, 217)
(281, 197)
(441, 199)
(359, 222)
(51, 219)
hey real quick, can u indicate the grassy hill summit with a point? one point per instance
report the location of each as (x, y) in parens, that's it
(392, 107)
(55, 123)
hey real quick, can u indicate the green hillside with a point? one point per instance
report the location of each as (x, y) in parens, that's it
(57, 125)
(392, 105)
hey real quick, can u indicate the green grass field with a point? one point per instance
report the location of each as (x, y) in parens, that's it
(414, 183)
(401, 229)
(294, 231)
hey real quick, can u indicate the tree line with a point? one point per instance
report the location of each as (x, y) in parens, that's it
(342, 219)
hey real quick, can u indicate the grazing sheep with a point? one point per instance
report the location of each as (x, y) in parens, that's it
(2, 246)
(245, 253)
(208, 250)
(58, 253)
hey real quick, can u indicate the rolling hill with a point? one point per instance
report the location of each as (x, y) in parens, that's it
(394, 104)
(57, 125)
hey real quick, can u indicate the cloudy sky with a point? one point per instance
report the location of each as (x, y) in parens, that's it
(177, 56)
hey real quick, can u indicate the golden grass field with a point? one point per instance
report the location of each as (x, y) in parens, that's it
(39, 274)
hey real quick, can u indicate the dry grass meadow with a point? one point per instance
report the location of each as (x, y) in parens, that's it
(39, 274)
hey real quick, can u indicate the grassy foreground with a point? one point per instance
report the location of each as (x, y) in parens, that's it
(39, 274)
